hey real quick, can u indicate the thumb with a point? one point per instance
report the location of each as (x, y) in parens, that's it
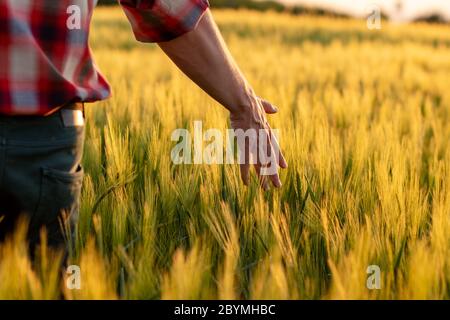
(268, 107)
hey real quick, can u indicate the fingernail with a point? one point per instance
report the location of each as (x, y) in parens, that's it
(278, 183)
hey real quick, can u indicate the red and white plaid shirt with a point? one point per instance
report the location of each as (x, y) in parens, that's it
(45, 60)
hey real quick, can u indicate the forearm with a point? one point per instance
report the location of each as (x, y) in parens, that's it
(204, 57)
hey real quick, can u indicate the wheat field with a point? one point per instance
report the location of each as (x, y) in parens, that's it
(363, 124)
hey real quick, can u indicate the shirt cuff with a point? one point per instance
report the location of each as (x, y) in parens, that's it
(163, 20)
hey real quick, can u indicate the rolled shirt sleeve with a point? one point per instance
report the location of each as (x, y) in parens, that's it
(163, 20)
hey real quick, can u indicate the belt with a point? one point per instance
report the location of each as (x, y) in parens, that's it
(71, 114)
(68, 106)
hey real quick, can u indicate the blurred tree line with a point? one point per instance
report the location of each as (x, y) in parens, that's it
(263, 5)
(249, 4)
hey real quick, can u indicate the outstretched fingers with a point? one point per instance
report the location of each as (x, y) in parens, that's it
(268, 107)
(260, 148)
(276, 148)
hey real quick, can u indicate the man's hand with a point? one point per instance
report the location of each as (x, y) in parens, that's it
(204, 57)
(251, 118)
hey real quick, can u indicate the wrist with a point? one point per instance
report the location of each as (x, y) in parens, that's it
(243, 101)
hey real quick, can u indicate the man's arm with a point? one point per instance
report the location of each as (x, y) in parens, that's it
(204, 57)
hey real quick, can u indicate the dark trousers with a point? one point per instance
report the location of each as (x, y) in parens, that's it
(40, 174)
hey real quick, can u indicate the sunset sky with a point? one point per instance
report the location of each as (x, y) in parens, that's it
(411, 8)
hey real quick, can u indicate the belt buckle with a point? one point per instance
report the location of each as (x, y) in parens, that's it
(72, 118)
